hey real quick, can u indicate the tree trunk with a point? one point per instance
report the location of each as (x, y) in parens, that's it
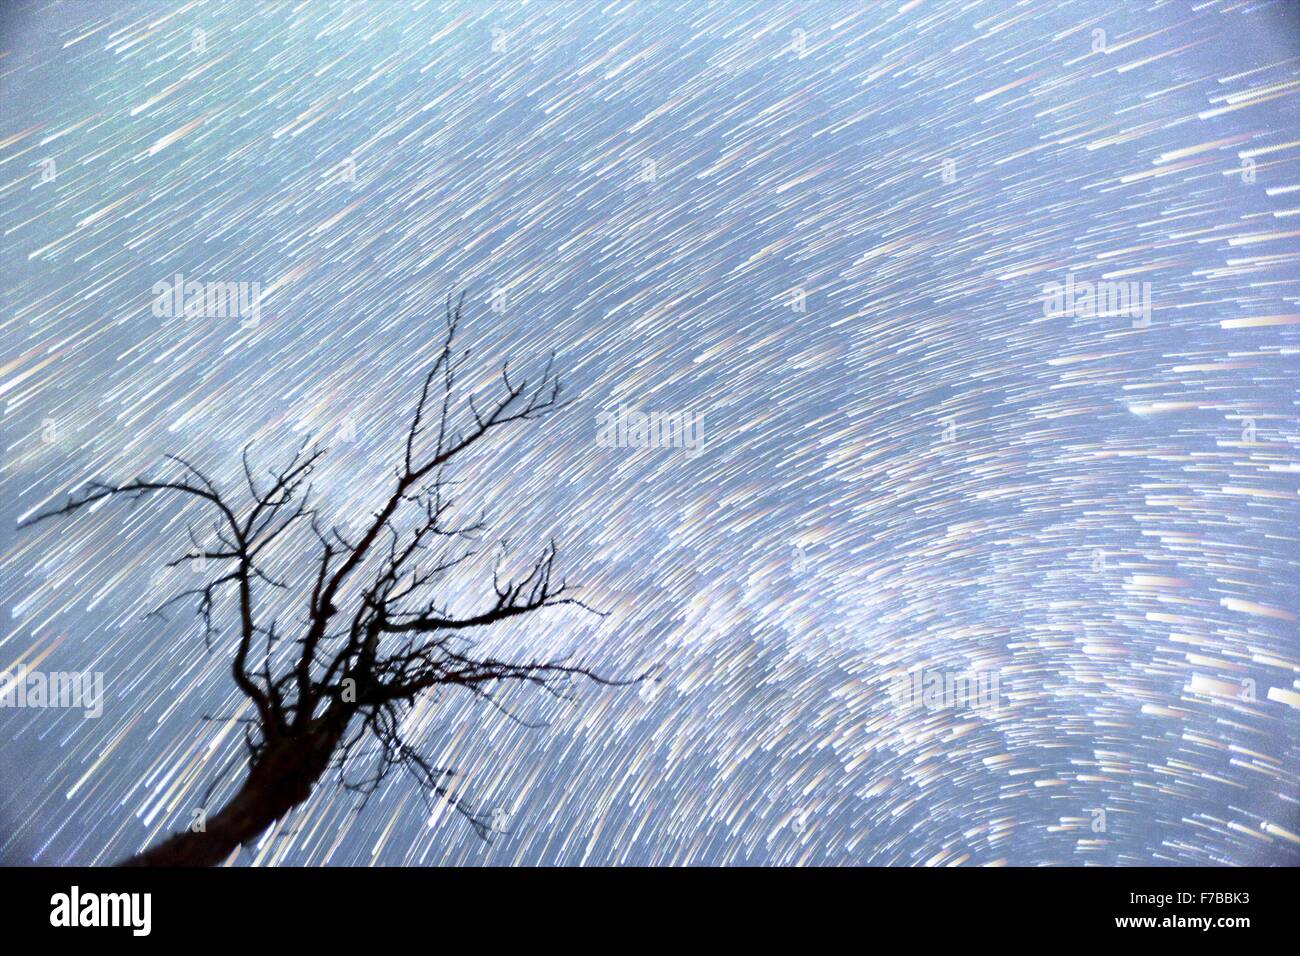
(281, 779)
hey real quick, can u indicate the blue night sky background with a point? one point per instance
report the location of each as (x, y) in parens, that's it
(735, 210)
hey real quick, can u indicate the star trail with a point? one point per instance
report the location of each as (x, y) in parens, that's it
(803, 254)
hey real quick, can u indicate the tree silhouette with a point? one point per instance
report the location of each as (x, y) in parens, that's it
(374, 636)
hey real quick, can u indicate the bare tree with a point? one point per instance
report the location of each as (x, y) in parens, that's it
(373, 635)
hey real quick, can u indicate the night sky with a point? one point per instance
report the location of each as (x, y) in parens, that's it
(825, 228)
